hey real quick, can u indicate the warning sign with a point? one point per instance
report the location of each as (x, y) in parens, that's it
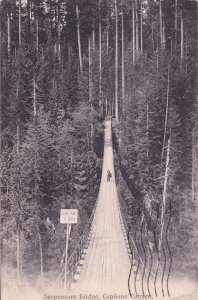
(69, 216)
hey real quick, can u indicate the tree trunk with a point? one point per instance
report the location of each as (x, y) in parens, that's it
(133, 32)
(152, 36)
(90, 87)
(163, 36)
(93, 37)
(157, 58)
(186, 53)
(69, 50)
(79, 41)
(171, 48)
(147, 130)
(17, 129)
(18, 137)
(71, 170)
(59, 33)
(18, 254)
(29, 18)
(137, 29)
(116, 62)
(31, 10)
(19, 23)
(161, 24)
(164, 195)
(55, 48)
(176, 24)
(36, 184)
(15, 53)
(141, 27)
(100, 67)
(54, 86)
(37, 35)
(50, 16)
(41, 252)
(113, 105)
(34, 97)
(91, 91)
(9, 35)
(107, 35)
(163, 210)
(193, 164)
(123, 60)
(182, 35)
(166, 116)
(106, 106)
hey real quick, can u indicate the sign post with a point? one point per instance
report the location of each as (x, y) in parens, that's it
(68, 216)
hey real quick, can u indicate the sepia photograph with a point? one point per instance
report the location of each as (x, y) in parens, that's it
(99, 149)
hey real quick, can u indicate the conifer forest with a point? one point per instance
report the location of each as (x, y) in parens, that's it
(65, 66)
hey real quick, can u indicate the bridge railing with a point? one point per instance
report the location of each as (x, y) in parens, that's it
(133, 251)
(75, 260)
(145, 259)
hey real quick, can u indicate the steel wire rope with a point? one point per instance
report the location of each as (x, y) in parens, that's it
(131, 267)
(144, 266)
(164, 269)
(135, 281)
(156, 246)
(149, 274)
(128, 238)
(156, 274)
(159, 259)
(131, 238)
(151, 255)
(166, 236)
(144, 271)
(130, 235)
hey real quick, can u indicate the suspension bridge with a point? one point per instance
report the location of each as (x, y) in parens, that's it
(101, 261)
(108, 260)
(106, 266)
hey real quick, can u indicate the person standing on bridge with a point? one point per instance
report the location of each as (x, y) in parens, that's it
(109, 175)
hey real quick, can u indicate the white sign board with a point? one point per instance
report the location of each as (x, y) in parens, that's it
(69, 216)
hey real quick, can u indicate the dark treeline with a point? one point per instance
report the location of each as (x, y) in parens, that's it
(65, 65)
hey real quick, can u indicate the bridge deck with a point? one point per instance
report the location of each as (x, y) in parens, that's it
(107, 265)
